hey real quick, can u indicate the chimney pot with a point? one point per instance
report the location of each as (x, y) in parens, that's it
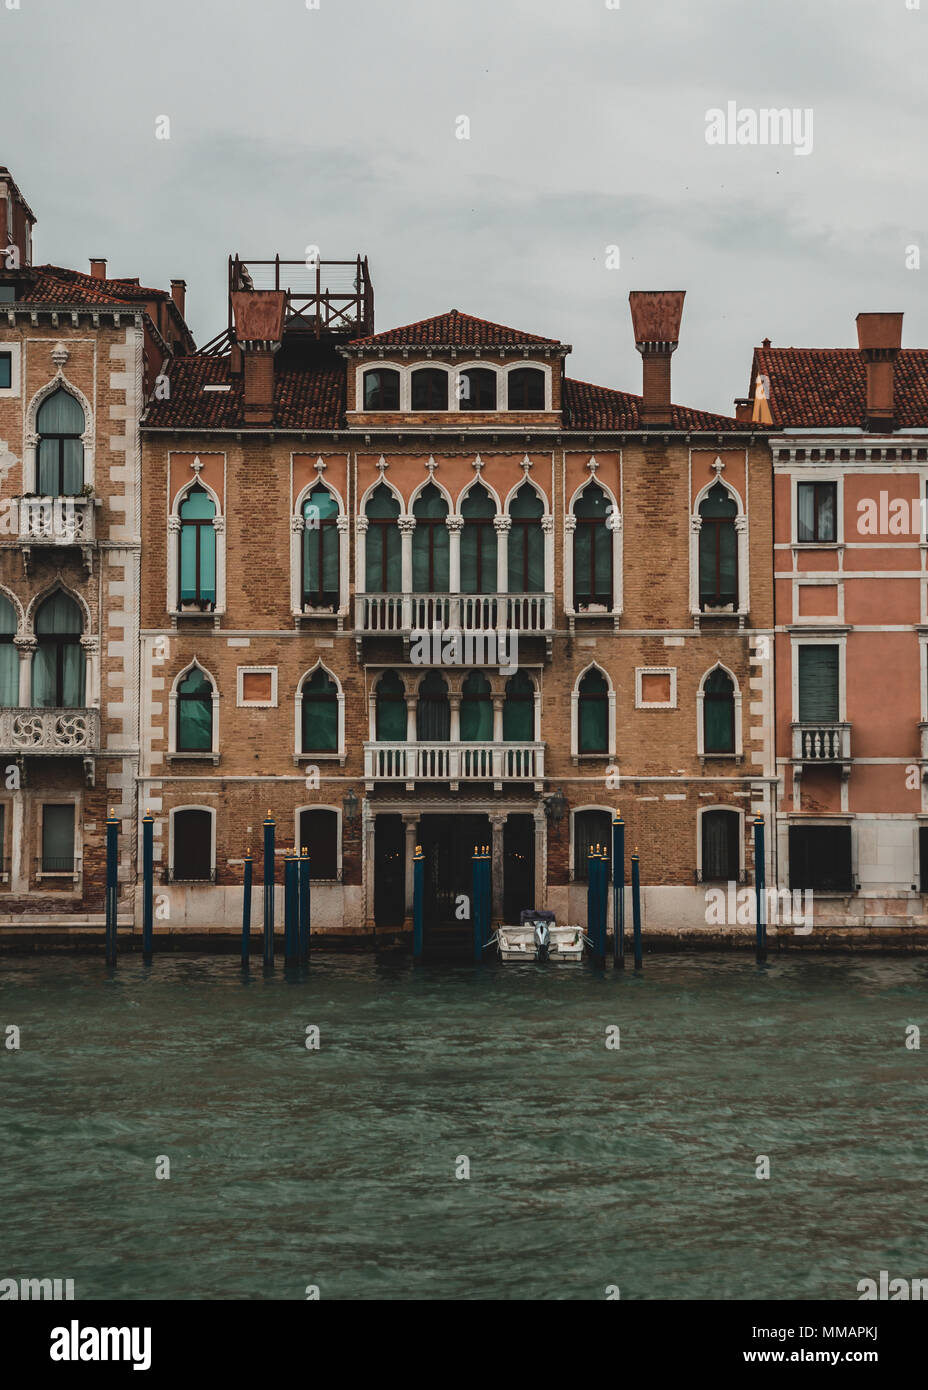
(656, 316)
(98, 267)
(744, 408)
(179, 295)
(879, 337)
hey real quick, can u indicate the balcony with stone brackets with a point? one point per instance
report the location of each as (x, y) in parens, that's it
(454, 763)
(472, 615)
(55, 521)
(51, 733)
(822, 744)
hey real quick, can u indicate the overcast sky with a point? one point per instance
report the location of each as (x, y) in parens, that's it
(337, 126)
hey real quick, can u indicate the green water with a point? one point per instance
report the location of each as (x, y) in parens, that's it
(588, 1167)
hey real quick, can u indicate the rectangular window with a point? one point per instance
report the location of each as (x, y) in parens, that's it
(820, 858)
(818, 684)
(58, 839)
(6, 371)
(817, 508)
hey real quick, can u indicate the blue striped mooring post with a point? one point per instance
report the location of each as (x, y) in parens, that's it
(246, 908)
(304, 907)
(112, 891)
(148, 886)
(760, 889)
(636, 907)
(618, 891)
(418, 886)
(269, 824)
(291, 910)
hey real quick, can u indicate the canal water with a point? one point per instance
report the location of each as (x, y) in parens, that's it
(632, 1166)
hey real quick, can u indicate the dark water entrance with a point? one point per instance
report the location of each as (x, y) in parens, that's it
(389, 871)
(518, 865)
(448, 846)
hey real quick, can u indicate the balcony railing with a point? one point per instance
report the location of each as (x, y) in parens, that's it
(55, 732)
(454, 762)
(56, 520)
(821, 743)
(401, 614)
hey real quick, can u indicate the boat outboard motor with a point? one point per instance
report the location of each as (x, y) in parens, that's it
(542, 940)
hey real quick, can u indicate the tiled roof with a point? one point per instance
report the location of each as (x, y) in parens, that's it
(588, 407)
(306, 397)
(52, 284)
(453, 329)
(827, 387)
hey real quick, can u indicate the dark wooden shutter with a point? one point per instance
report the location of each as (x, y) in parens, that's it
(818, 684)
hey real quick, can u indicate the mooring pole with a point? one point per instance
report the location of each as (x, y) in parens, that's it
(304, 907)
(418, 884)
(603, 900)
(618, 891)
(269, 824)
(291, 890)
(636, 907)
(759, 889)
(148, 885)
(112, 892)
(246, 909)
(487, 895)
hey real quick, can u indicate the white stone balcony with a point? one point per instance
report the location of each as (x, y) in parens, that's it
(827, 745)
(50, 732)
(454, 763)
(51, 521)
(401, 614)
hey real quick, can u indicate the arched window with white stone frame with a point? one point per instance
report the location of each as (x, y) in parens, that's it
(319, 716)
(319, 552)
(718, 714)
(58, 457)
(193, 714)
(592, 711)
(719, 561)
(593, 551)
(196, 551)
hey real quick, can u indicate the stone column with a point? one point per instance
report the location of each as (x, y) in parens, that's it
(411, 822)
(570, 526)
(368, 861)
(502, 526)
(407, 525)
(497, 821)
(541, 857)
(26, 644)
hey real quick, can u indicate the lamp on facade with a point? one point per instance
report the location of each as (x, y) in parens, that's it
(556, 806)
(350, 806)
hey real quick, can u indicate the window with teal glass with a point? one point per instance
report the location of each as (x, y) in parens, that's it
(594, 713)
(519, 709)
(476, 708)
(478, 543)
(9, 657)
(58, 660)
(718, 707)
(391, 709)
(320, 549)
(195, 713)
(430, 572)
(320, 713)
(592, 550)
(59, 425)
(433, 712)
(718, 549)
(526, 543)
(198, 549)
(383, 552)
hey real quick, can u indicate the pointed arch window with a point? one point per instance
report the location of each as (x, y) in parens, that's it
(383, 550)
(320, 713)
(477, 708)
(429, 389)
(718, 549)
(197, 549)
(593, 728)
(58, 662)
(719, 712)
(526, 543)
(433, 710)
(592, 550)
(519, 709)
(390, 709)
(320, 549)
(9, 657)
(59, 424)
(430, 549)
(195, 712)
(478, 543)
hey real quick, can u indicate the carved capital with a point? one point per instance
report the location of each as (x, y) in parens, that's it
(454, 523)
(174, 523)
(297, 523)
(219, 525)
(570, 524)
(362, 524)
(547, 524)
(25, 642)
(407, 525)
(502, 523)
(341, 524)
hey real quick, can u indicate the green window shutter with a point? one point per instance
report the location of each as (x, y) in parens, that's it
(818, 684)
(58, 839)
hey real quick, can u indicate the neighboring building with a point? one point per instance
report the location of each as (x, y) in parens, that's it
(77, 355)
(319, 499)
(849, 436)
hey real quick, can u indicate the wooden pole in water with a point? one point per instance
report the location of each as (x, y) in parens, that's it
(148, 885)
(759, 889)
(636, 908)
(418, 884)
(269, 825)
(246, 909)
(304, 907)
(618, 891)
(112, 891)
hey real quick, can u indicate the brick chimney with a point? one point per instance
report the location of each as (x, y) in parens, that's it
(98, 267)
(656, 316)
(258, 320)
(744, 408)
(879, 337)
(179, 295)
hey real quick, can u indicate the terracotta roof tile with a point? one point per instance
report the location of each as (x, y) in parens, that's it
(827, 387)
(305, 396)
(52, 284)
(453, 329)
(588, 407)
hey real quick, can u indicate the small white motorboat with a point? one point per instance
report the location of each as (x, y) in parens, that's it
(537, 937)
